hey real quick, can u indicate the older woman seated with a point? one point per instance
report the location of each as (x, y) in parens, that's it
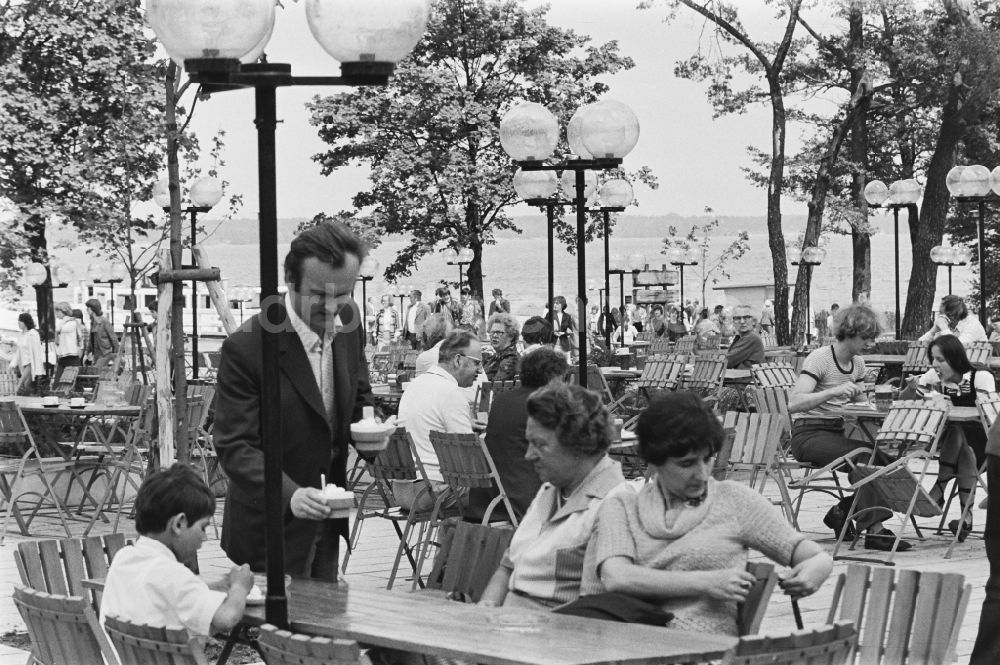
(503, 331)
(568, 432)
(682, 540)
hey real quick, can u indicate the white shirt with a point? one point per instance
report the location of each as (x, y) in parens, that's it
(311, 342)
(147, 584)
(66, 337)
(967, 330)
(411, 319)
(427, 359)
(433, 402)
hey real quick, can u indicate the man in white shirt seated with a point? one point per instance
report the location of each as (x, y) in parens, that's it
(435, 401)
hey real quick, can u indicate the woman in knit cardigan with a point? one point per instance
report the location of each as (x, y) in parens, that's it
(682, 540)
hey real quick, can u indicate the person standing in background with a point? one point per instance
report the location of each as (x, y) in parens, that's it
(29, 359)
(68, 337)
(767, 317)
(499, 303)
(387, 328)
(415, 317)
(103, 341)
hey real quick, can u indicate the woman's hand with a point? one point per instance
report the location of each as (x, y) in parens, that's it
(728, 584)
(850, 390)
(807, 577)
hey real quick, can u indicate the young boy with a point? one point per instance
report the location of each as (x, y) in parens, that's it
(148, 583)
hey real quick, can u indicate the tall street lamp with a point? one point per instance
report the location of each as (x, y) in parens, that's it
(599, 135)
(240, 295)
(204, 194)
(366, 273)
(976, 184)
(679, 257)
(950, 257)
(809, 257)
(99, 274)
(614, 196)
(635, 264)
(461, 258)
(367, 39)
(900, 194)
(45, 278)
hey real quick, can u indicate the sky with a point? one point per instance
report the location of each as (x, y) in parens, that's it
(697, 159)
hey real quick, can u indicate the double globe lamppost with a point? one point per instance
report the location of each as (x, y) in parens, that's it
(44, 278)
(460, 258)
(99, 273)
(218, 41)
(681, 257)
(619, 265)
(599, 135)
(810, 257)
(614, 196)
(949, 257)
(976, 184)
(204, 194)
(366, 273)
(900, 194)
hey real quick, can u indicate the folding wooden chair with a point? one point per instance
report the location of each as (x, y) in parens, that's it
(280, 647)
(596, 381)
(915, 361)
(770, 341)
(910, 432)
(750, 612)
(685, 344)
(659, 346)
(64, 630)
(60, 566)
(904, 616)
(20, 460)
(828, 645)
(754, 449)
(140, 643)
(771, 374)
(66, 382)
(467, 559)
(706, 377)
(9, 383)
(979, 353)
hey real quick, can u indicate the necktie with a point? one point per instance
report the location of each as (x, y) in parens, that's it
(326, 376)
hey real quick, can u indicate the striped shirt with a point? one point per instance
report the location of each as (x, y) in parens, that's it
(822, 365)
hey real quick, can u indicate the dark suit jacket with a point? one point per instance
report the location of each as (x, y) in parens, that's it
(507, 445)
(565, 342)
(309, 444)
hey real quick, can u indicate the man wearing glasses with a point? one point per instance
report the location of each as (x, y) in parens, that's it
(435, 402)
(747, 348)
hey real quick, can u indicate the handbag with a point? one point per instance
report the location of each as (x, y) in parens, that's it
(620, 607)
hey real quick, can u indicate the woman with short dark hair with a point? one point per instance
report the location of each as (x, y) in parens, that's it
(562, 322)
(682, 540)
(29, 360)
(953, 319)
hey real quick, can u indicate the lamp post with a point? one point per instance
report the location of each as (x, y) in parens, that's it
(976, 184)
(240, 295)
(366, 273)
(204, 194)
(599, 135)
(900, 194)
(45, 278)
(99, 274)
(614, 195)
(367, 39)
(461, 258)
(621, 266)
(810, 257)
(950, 257)
(680, 257)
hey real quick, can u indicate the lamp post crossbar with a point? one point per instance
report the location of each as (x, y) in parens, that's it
(981, 202)
(911, 209)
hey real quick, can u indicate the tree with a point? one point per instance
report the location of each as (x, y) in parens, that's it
(438, 172)
(766, 61)
(710, 268)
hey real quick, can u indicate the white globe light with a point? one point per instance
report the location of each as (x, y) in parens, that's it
(205, 192)
(940, 254)
(96, 272)
(676, 255)
(692, 256)
(161, 193)
(995, 180)
(636, 262)
(220, 29)
(35, 274)
(534, 185)
(953, 181)
(813, 255)
(449, 255)
(118, 271)
(616, 193)
(609, 130)
(369, 267)
(962, 255)
(568, 182)
(529, 132)
(975, 180)
(465, 255)
(367, 30)
(573, 136)
(876, 193)
(254, 54)
(904, 191)
(63, 274)
(616, 262)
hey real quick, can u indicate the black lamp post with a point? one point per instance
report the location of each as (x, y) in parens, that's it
(98, 274)
(601, 134)
(366, 273)
(636, 264)
(680, 257)
(810, 257)
(367, 42)
(950, 257)
(205, 193)
(461, 258)
(240, 295)
(44, 279)
(900, 194)
(976, 184)
(614, 195)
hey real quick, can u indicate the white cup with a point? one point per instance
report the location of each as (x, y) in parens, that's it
(76, 401)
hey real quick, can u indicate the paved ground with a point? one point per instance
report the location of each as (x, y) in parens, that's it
(370, 567)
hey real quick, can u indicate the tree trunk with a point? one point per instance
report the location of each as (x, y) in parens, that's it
(861, 244)
(775, 235)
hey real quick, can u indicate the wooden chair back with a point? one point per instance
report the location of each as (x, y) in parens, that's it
(707, 342)
(596, 381)
(774, 374)
(989, 408)
(707, 376)
(660, 375)
(9, 383)
(64, 630)
(645, 336)
(66, 382)
(902, 616)
(770, 341)
(912, 425)
(465, 462)
(140, 643)
(750, 613)
(280, 647)
(915, 361)
(469, 555)
(396, 462)
(828, 645)
(60, 566)
(410, 360)
(979, 352)
(755, 441)
(685, 344)
(659, 345)
(711, 354)
(487, 389)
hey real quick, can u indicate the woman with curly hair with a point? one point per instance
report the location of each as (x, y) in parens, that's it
(503, 332)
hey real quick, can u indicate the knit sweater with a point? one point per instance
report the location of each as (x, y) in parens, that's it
(712, 536)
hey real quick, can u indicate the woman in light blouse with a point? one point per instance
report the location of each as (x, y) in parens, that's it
(28, 361)
(953, 319)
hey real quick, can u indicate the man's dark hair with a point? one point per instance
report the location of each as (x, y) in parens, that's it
(542, 365)
(329, 242)
(497, 292)
(94, 305)
(536, 330)
(442, 291)
(417, 293)
(456, 343)
(166, 493)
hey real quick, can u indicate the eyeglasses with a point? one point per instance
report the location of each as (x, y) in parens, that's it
(478, 361)
(743, 318)
(497, 332)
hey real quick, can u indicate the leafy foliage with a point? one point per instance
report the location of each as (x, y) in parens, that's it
(711, 267)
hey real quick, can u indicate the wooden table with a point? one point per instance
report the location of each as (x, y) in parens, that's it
(387, 390)
(890, 359)
(956, 414)
(618, 373)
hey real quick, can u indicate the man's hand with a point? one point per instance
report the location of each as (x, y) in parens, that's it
(307, 504)
(241, 578)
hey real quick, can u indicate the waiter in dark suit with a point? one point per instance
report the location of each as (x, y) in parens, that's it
(324, 385)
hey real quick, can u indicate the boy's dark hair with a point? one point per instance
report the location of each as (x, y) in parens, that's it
(168, 492)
